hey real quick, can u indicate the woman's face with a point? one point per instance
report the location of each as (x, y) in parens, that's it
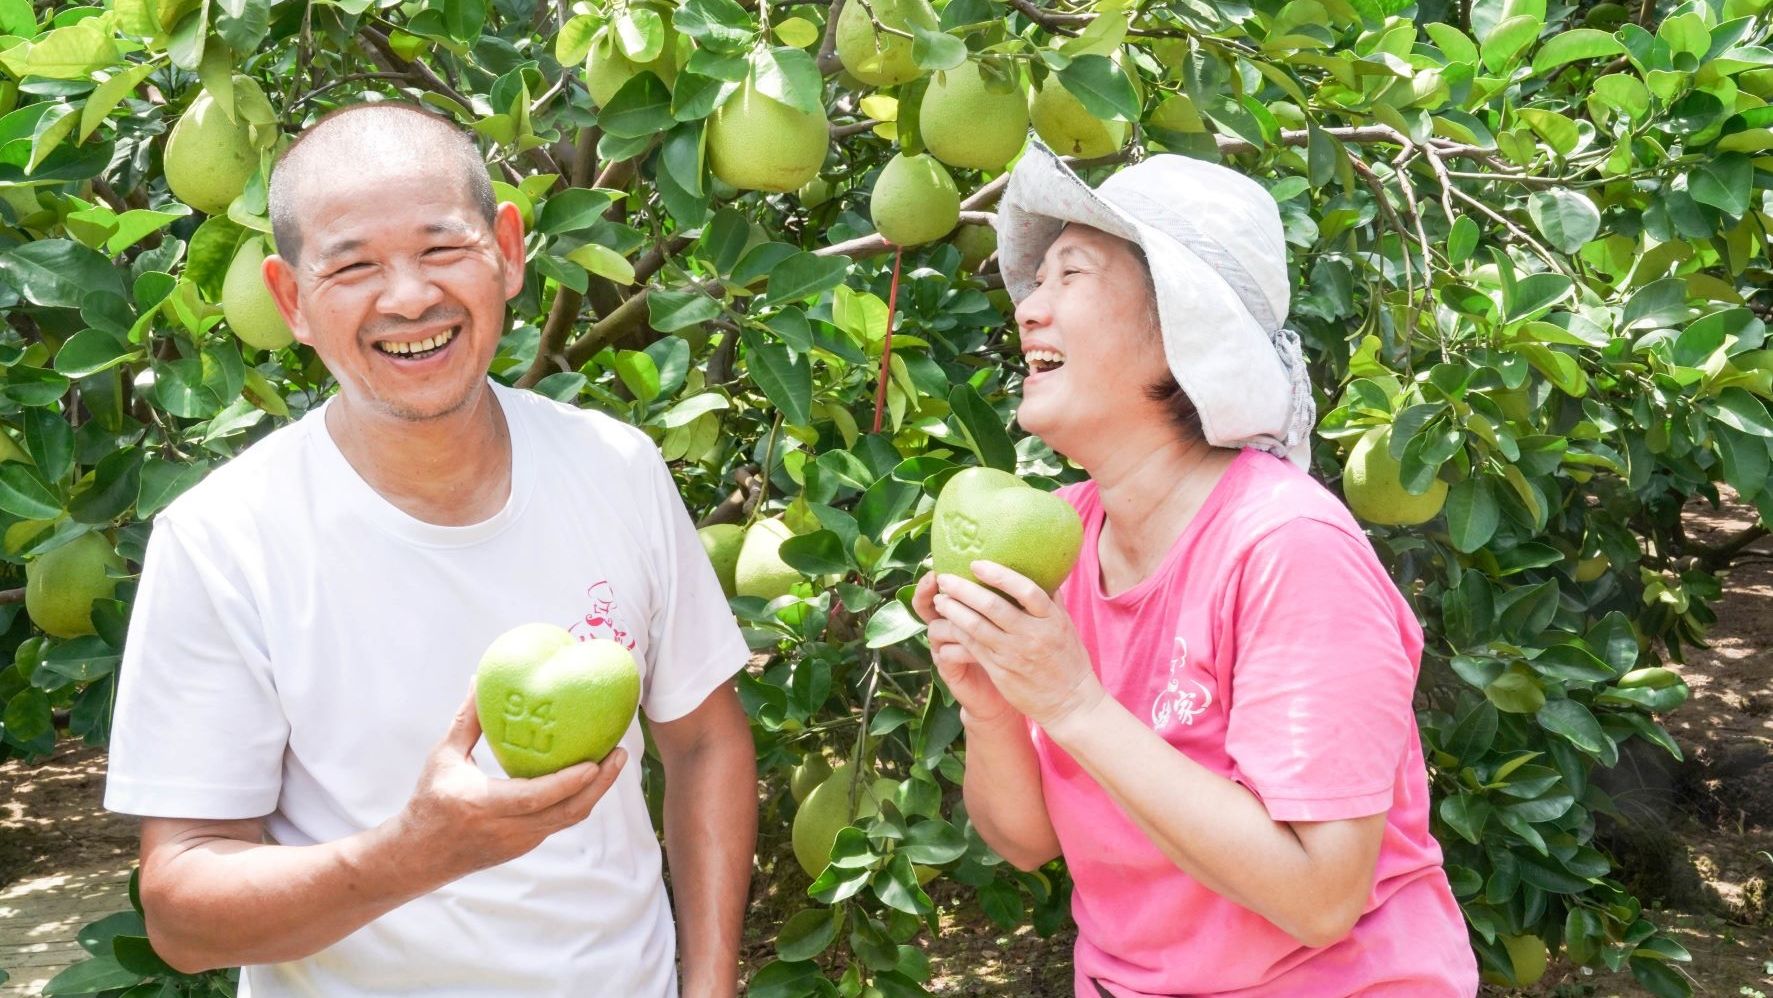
(1090, 339)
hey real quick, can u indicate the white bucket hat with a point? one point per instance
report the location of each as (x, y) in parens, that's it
(1218, 258)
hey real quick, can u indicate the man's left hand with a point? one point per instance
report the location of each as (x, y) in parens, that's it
(1026, 642)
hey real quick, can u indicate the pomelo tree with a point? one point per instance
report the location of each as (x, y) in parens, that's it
(1530, 243)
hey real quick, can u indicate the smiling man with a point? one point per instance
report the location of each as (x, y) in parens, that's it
(311, 614)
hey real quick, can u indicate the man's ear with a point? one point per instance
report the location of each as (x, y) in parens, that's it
(508, 234)
(280, 279)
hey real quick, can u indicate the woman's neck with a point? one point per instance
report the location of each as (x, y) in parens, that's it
(1149, 495)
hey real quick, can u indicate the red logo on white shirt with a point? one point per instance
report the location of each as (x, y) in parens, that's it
(604, 619)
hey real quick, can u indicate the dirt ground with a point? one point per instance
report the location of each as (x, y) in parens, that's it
(1700, 853)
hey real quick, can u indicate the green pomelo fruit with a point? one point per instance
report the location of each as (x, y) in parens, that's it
(61, 584)
(1592, 567)
(722, 541)
(990, 515)
(760, 571)
(547, 700)
(812, 771)
(914, 201)
(1529, 957)
(814, 192)
(826, 811)
(976, 244)
(877, 58)
(1373, 485)
(968, 124)
(760, 144)
(208, 158)
(247, 304)
(1064, 125)
(1177, 114)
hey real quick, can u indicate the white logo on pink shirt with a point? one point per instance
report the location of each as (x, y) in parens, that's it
(1175, 704)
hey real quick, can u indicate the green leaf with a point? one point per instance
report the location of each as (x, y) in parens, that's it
(163, 481)
(50, 442)
(211, 251)
(101, 973)
(790, 76)
(892, 623)
(17, 18)
(1472, 514)
(818, 553)
(721, 25)
(1465, 814)
(107, 95)
(783, 979)
(670, 311)
(936, 51)
(639, 374)
(1102, 87)
(1575, 722)
(24, 495)
(1740, 410)
(983, 428)
(806, 274)
(58, 273)
(1572, 44)
(642, 107)
(1537, 292)
(787, 382)
(243, 24)
(807, 933)
(573, 43)
(1624, 93)
(1725, 182)
(933, 842)
(1516, 691)
(572, 210)
(1509, 39)
(640, 32)
(67, 53)
(90, 351)
(1567, 219)
(604, 262)
(55, 126)
(1462, 240)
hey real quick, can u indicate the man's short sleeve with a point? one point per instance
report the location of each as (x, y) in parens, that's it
(1323, 675)
(198, 731)
(695, 642)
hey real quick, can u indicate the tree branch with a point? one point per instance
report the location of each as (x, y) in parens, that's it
(853, 128)
(828, 62)
(1057, 23)
(8, 596)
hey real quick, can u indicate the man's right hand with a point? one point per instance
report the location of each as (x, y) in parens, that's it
(460, 820)
(979, 700)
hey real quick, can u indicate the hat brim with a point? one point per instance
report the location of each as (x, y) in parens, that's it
(1221, 356)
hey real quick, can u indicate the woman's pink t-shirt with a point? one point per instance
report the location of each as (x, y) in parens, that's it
(1272, 649)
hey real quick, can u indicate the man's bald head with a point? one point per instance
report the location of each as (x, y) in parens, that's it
(369, 136)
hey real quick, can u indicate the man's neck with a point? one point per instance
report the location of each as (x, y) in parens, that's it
(451, 471)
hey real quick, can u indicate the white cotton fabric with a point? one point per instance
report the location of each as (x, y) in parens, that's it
(1218, 259)
(299, 645)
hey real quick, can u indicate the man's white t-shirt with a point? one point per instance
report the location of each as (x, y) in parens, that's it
(299, 645)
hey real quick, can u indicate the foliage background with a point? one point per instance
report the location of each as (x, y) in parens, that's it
(1529, 236)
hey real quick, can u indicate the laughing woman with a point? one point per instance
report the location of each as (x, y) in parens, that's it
(1212, 719)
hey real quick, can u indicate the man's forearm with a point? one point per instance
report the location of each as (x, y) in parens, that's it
(710, 836)
(223, 902)
(1003, 792)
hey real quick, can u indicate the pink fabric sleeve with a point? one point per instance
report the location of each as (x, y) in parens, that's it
(1322, 675)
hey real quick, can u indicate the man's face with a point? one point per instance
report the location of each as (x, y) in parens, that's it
(401, 286)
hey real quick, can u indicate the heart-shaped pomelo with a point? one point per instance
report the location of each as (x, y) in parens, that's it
(988, 515)
(547, 700)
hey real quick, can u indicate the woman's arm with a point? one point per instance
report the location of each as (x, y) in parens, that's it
(1002, 783)
(1311, 879)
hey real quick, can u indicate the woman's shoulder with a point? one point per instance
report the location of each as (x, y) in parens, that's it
(1270, 493)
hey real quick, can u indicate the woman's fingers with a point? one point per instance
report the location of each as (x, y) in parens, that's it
(986, 604)
(1033, 599)
(970, 626)
(923, 599)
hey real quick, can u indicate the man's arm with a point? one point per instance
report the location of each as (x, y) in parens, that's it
(710, 836)
(216, 895)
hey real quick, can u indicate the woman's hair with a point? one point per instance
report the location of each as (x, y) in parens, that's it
(1166, 390)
